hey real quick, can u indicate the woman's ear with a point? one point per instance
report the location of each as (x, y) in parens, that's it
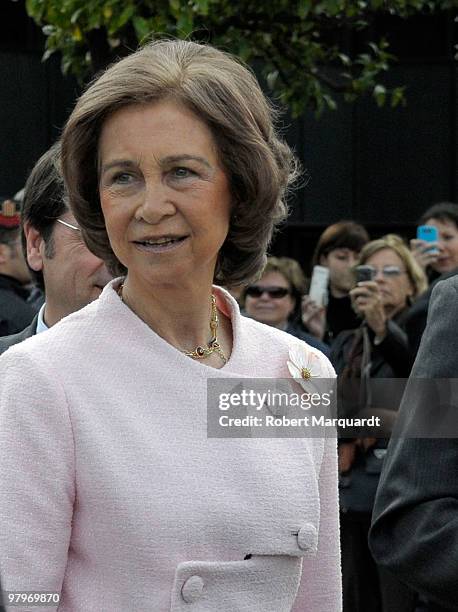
(35, 247)
(323, 261)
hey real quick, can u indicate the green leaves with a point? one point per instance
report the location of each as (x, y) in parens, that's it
(142, 27)
(305, 59)
(379, 94)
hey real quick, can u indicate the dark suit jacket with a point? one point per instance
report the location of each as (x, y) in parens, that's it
(7, 341)
(15, 312)
(415, 322)
(415, 521)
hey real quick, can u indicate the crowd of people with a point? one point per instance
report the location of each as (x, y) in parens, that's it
(170, 175)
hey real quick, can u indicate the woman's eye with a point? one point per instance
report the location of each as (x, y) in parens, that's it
(121, 178)
(181, 172)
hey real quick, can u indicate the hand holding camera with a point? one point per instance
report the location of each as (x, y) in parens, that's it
(313, 317)
(367, 300)
(425, 247)
(313, 305)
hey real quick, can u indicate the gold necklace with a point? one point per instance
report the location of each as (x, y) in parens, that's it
(213, 346)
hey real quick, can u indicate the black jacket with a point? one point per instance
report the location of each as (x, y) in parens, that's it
(388, 360)
(415, 322)
(340, 316)
(15, 313)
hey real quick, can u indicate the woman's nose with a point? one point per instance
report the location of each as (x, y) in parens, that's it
(156, 203)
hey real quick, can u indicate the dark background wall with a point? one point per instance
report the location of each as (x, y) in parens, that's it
(382, 167)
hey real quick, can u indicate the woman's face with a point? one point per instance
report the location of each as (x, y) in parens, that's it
(392, 279)
(266, 308)
(340, 263)
(164, 195)
(448, 245)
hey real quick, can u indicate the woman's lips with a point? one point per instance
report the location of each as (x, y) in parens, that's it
(266, 307)
(162, 245)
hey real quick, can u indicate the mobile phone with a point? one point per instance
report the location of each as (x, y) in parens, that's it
(364, 273)
(319, 285)
(428, 233)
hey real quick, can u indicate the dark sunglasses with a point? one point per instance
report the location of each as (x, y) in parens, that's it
(275, 293)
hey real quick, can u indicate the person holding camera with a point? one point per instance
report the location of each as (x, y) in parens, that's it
(337, 250)
(438, 259)
(388, 281)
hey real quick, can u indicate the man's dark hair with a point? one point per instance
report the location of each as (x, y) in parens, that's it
(44, 202)
(443, 211)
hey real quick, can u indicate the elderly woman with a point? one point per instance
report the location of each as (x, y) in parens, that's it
(275, 298)
(383, 305)
(111, 492)
(378, 349)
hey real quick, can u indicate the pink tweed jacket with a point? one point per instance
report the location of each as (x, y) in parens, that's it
(112, 495)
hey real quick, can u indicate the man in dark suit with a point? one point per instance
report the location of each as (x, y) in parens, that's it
(59, 261)
(15, 312)
(415, 520)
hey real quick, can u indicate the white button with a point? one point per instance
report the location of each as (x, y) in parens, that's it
(192, 589)
(307, 538)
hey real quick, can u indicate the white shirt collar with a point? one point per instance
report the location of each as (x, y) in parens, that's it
(41, 325)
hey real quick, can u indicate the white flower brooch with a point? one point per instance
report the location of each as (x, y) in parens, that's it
(305, 365)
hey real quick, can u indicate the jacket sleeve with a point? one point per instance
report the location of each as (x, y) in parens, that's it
(37, 476)
(394, 349)
(415, 521)
(321, 584)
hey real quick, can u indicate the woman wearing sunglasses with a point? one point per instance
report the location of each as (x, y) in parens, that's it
(275, 298)
(377, 349)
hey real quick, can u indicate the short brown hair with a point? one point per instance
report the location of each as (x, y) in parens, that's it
(394, 242)
(340, 235)
(291, 270)
(226, 96)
